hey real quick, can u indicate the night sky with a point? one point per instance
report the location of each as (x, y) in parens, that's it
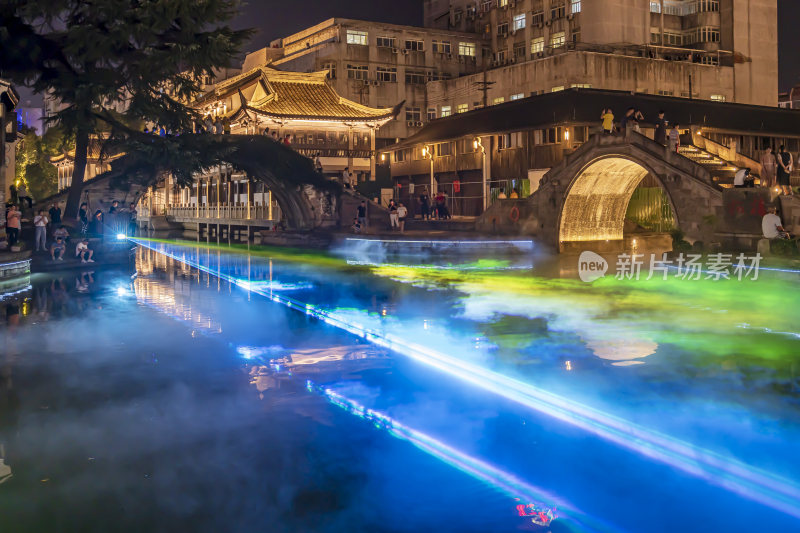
(274, 19)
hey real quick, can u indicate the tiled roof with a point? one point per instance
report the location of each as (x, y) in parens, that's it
(93, 154)
(296, 95)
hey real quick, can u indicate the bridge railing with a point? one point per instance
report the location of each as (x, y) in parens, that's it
(224, 211)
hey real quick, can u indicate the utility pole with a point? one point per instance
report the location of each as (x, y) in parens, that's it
(484, 86)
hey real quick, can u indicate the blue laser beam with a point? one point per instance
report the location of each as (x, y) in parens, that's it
(738, 477)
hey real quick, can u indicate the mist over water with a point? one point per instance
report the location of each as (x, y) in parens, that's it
(171, 397)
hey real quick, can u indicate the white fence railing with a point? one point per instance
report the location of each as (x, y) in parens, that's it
(225, 211)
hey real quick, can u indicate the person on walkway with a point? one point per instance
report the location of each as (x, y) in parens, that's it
(22, 194)
(785, 164)
(441, 206)
(346, 177)
(743, 179)
(40, 226)
(114, 207)
(424, 207)
(55, 214)
(772, 227)
(402, 213)
(132, 225)
(769, 167)
(356, 226)
(607, 116)
(62, 233)
(514, 193)
(361, 215)
(638, 117)
(318, 163)
(82, 250)
(97, 223)
(627, 120)
(674, 138)
(57, 249)
(83, 217)
(502, 195)
(394, 221)
(661, 129)
(13, 225)
(274, 136)
(287, 140)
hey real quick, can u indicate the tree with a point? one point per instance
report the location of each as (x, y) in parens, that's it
(141, 58)
(33, 160)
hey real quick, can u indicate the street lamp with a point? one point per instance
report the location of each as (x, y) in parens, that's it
(477, 144)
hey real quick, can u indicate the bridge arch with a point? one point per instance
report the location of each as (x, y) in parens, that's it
(596, 200)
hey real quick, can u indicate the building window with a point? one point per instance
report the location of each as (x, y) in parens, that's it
(718, 97)
(501, 55)
(387, 74)
(518, 96)
(330, 66)
(445, 111)
(477, 105)
(537, 45)
(441, 47)
(519, 22)
(581, 86)
(416, 77)
(357, 72)
(357, 37)
(662, 92)
(709, 60)
(462, 108)
(576, 35)
(557, 39)
(655, 7)
(708, 5)
(575, 6)
(519, 52)
(557, 89)
(509, 140)
(415, 45)
(502, 29)
(537, 13)
(498, 100)
(413, 114)
(400, 156)
(443, 149)
(466, 49)
(387, 42)
(558, 9)
(431, 113)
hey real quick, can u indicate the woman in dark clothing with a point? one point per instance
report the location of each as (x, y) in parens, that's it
(424, 207)
(96, 225)
(785, 165)
(83, 217)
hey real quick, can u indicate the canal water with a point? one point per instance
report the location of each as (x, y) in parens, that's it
(216, 388)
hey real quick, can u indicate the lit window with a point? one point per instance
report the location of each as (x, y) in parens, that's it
(518, 96)
(441, 47)
(558, 39)
(556, 89)
(357, 72)
(581, 85)
(502, 3)
(357, 37)
(415, 45)
(575, 6)
(387, 42)
(462, 108)
(718, 97)
(537, 45)
(445, 111)
(498, 100)
(387, 74)
(466, 49)
(519, 22)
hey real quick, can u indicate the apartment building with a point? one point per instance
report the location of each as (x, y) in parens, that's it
(379, 65)
(722, 50)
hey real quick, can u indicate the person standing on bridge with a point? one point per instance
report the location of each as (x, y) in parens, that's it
(394, 219)
(769, 166)
(661, 129)
(674, 138)
(785, 164)
(607, 116)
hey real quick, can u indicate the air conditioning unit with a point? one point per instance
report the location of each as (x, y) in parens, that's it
(548, 22)
(571, 16)
(405, 51)
(512, 60)
(513, 32)
(410, 123)
(540, 25)
(418, 124)
(449, 56)
(503, 34)
(395, 50)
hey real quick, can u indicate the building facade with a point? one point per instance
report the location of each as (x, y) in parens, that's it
(9, 98)
(723, 50)
(379, 65)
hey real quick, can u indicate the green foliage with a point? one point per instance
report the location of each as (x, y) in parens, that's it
(33, 165)
(679, 244)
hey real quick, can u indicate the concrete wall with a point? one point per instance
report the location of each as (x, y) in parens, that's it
(755, 42)
(601, 71)
(615, 21)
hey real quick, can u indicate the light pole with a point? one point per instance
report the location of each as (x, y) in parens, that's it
(428, 154)
(485, 171)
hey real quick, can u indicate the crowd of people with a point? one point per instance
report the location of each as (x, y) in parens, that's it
(49, 224)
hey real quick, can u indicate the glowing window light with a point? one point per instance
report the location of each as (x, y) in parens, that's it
(756, 484)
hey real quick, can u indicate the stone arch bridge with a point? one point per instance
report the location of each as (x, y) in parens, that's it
(585, 197)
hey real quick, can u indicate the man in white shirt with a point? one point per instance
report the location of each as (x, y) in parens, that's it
(402, 213)
(82, 250)
(742, 178)
(772, 227)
